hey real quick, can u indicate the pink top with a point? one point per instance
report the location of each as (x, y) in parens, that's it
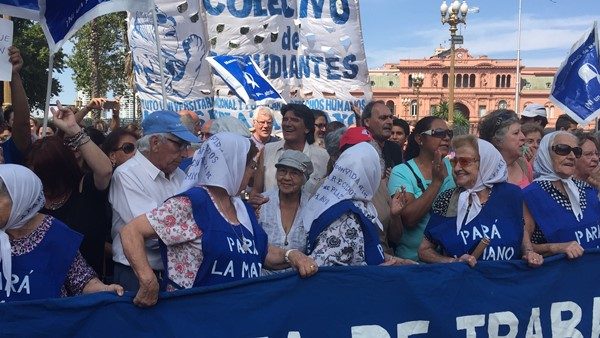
(526, 175)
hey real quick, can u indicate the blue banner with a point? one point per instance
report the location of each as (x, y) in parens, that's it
(576, 88)
(244, 77)
(494, 299)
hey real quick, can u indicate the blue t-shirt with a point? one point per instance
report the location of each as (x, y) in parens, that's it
(401, 176)
(11, 154)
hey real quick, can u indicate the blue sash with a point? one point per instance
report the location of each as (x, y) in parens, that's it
(373, 250)
(224, 257)
(41, 273)
(499, 220)
(558, 224)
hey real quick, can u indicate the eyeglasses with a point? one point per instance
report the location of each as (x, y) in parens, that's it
(564, 150)
(463, 161)
(439, 133)
(127, 148)
(180, 145)
(284, 171)
(264, 123)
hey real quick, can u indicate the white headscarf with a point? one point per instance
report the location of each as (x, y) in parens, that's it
(27, 196)
(221, 162)
(492, 170)
(544, 171)
(356, 176)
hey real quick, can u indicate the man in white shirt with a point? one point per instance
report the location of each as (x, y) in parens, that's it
(144, 182)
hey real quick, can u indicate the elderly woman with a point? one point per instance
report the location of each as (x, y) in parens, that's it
(30, 241)
(561, 214)
(280, 216)
(119, 146)
(342, 220)
(208, 234)
(298, 125)
(588, 162)
(424, 176)
(502, 129)
(476, 210)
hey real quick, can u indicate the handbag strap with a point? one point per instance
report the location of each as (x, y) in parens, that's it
(419, 181)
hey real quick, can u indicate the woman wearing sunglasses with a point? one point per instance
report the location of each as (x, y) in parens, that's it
(562, 215)
(120, 146)
(476, 210)
(502, 129)
(424, 176)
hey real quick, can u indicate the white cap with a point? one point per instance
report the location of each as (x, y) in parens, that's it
(533, 110)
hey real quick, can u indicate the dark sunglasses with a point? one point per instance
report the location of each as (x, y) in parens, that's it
(564, 150)
(127, 148)
(439, 133)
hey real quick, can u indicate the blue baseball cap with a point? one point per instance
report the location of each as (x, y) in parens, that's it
(164, 121)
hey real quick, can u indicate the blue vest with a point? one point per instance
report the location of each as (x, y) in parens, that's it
(558, 224)
(373, 250)
(41, 273)
(224, 258)
(500, 219)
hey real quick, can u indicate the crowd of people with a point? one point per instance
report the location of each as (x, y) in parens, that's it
(179, 203)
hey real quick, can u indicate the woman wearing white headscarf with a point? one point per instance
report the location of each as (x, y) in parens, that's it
(562, 215)
(208, 234)
(483, 207)
(342, 220)
(39, 254)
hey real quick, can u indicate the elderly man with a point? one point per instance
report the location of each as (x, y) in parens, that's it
(377, 118)
(144, 182)
(263, 127)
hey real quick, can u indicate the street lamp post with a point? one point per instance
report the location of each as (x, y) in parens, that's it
(406, 103)
(417, 82)
(453, 15)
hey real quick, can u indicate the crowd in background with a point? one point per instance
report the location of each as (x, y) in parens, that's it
(178, 202)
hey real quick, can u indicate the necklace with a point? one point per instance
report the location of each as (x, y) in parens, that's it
(57, 204)
(241, 237)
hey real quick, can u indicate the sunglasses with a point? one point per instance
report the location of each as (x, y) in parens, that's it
(127, 148)
(463, 161)
(180, 145)
(564, 150)
(439, 133)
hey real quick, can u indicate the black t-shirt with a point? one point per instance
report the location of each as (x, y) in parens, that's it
(87, 212)
(392, 154)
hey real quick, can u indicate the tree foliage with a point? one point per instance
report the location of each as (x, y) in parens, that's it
(460, 123)
(31, 41)
(100, 43)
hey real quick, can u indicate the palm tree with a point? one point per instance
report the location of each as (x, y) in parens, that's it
(460, 123)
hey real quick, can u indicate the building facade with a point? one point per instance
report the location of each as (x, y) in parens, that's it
(481, 85)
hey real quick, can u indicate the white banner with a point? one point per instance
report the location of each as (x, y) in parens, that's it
(184, 50)
(310, 50)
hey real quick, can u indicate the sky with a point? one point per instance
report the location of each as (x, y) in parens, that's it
(400, 29)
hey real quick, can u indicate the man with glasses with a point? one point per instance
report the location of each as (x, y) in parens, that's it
(263, 127)
(144, 182)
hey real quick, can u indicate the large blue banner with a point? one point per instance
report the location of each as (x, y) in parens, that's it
(494, 299)
(576, 88)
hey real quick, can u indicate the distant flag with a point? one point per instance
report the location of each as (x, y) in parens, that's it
(576, 88)
(245, 78)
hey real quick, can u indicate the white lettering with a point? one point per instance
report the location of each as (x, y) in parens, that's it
(498, 319)
(229, 270)
(596, 318)
(231, 243)
(414, 327)
(565, 328)
(214, 269)
(368, 331)
(469, 323)
(534, 328)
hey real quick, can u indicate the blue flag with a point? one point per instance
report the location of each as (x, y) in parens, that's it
(244, 77)
(576, 88)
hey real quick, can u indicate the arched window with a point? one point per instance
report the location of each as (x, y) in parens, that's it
(502, 104)
(458, 80)
(392, 106)
(409, 80)
(472, 81)
(465, 82)
(497, 81)
(413, 108)
(508, 81)
(445, 80)
(503, 81)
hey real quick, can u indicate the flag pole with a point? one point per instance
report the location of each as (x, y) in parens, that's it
(160, 58)
(518, 82)
(48, 94)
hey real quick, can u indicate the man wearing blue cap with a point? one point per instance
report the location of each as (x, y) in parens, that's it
(144, 182)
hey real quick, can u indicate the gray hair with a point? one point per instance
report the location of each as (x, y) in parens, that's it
(143, 144)
(332, 141)
(264, 111)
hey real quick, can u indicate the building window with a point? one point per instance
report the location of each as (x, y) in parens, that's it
(503, 81)
(458, 80)
(508, 81)
(502, 104)
(410, 81)
(391, 105)
(548, 84)
(445, 80)
(482, 111)
(472, 81)
(391, 83)
(498, 81)
(372, 83)
(413, 108)
(465, 81)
